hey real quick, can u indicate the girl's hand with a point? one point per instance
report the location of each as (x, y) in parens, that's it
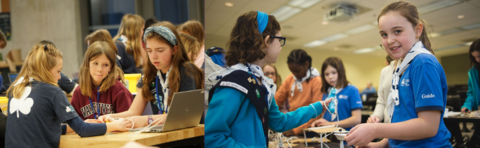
(373, 119)
(465, 110)
(140, 121)
(361, 134)
(103, 118)
(121, 124)
(325, 104)
(320, 122)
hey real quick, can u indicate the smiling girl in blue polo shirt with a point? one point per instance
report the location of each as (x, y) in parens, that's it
(418, 95)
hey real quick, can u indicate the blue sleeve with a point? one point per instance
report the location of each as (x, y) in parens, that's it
(223, 109)
(427, 87)
(86, 129)
(281, 122)
(354, 99)
(470, 100)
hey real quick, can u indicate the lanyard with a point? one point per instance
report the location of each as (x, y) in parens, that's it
(98, 99)
(160, 108)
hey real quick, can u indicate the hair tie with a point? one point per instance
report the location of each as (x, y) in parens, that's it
(164, 32)
(262, 20)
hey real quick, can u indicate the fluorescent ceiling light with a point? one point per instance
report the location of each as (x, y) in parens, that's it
(436, 5)
(335, 37)
(363, 50)
(285, 12)
(314, 43)
(360, 29)
(435, 34)
(468, 43)
(470, 27)
(303, 3)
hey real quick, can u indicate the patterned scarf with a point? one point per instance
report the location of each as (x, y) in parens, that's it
(393, 98)
(250, 68)
(314, 72)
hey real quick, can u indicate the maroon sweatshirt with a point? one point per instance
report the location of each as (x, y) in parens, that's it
(117, 99)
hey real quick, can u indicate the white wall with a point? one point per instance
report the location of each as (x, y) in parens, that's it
(54, 20)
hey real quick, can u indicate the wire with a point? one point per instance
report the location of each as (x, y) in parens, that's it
(147, 128)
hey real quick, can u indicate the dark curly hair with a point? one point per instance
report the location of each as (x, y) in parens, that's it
(246, 43)
(300, 56)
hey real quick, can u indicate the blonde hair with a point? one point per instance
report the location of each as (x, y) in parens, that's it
(95, 50)
(40, 60)
(104, 35)
(191, 45)
(131, 28)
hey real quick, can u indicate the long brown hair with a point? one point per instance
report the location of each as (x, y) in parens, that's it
(104, 35)
(131, 28)
(193, 28)
(409, 11)
(180, 58)
(336, 63)
(40, 60)
(95, 50)
(192, 47)
(246, 44)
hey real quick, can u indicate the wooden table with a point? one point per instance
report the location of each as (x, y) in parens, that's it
(119, 139)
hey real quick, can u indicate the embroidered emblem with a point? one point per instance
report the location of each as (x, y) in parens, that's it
(250, 80)
(265, 110)
(258, 93)
(234, 85)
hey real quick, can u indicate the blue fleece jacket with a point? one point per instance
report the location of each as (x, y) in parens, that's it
(232, 121)
(473, 94)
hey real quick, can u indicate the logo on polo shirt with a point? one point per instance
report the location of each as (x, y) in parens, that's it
(405, 82)
(428, 96)
(342, 97)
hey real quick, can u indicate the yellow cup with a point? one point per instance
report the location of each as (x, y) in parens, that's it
(131, 80)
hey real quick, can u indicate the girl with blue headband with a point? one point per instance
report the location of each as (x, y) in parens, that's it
(242, 106)
(167, 71)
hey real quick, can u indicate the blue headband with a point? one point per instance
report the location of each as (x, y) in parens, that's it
(164, 32)
(262, 20)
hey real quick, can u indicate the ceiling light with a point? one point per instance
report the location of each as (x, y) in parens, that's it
(460, 16)
(468, 43)
(335, 37)
(303, 3)
(470, 27)
(363, 50)
(314, 43)
(360, 29)
(325, 23)
(435, 34)
(229, 4)
(450, 47)
(285, 12)
(436, 5)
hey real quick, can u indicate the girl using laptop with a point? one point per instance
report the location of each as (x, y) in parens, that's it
(168, 71)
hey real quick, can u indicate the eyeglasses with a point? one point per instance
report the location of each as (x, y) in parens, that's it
(280, 39)
(269, 73)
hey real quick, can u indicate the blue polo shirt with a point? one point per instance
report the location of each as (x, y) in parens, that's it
(423, 86)
(348, 100)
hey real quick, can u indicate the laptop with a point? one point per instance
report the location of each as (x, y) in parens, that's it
(185, 111)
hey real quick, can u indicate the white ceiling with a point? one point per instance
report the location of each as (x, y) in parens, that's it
(306, 26)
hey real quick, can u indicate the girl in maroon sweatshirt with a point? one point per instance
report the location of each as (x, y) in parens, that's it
(100, 92)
